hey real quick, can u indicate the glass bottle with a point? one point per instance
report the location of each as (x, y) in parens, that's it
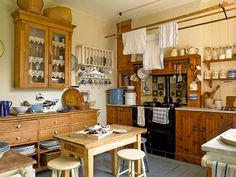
(207, 53)
(214, 54)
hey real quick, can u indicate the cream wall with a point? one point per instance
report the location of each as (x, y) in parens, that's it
(90, 30)
(213, 35)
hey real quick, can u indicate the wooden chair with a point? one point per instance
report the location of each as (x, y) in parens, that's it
(67, 164)
(131, 155)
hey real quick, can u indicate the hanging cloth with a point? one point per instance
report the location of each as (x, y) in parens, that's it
(134, 41)
(151, 57)
(168, 35)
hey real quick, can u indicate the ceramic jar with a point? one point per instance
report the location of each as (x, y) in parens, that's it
(207, 74)
(223, 74)
(182, 52)
(34, 6)
(207, 53)
(218, 103)
(222, 53)
(174, 52)
(228, 52)
(214, 74)
(214, 54)
(192, 50)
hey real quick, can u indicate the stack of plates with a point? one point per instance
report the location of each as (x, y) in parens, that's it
(25, 150)
(232, 74)
(4, 147)
(50, 144)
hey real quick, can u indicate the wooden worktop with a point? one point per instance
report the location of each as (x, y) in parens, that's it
(89, 143)
(12, 160)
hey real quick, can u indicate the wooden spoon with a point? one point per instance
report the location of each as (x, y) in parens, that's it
(214, 91)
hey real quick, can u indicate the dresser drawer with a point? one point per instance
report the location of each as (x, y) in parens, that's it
(18, 126)
(88, 116)
(53, 122)
(18, 138)
(49, 133)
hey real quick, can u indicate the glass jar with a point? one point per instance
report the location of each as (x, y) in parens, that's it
(207, 74)
(214, 74)
(223, 73)
(207, 53)
(228, 52)
(214, 54)
(222, 53)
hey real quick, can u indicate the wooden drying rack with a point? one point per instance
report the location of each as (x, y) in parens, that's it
(186, 18)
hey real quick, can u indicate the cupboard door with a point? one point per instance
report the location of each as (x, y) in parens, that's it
(125, 116)
(112, 115)
(59, 61)
(217, 123)
(35, 45)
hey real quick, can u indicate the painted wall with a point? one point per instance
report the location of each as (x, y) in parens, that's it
(90, 30)
(213, 35)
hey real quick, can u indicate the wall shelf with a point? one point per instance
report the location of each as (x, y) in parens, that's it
(208, 63)
(219, 79)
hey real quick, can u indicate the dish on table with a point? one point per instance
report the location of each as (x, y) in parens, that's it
(120, 131)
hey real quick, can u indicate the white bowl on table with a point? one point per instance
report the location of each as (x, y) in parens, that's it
(21, 109)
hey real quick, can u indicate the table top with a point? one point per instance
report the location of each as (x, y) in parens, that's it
(217, 146)
(90, 143)
(12, 160)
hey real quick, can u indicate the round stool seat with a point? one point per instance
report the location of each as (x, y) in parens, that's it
(63, 163)
(131, 154)
(143, 140)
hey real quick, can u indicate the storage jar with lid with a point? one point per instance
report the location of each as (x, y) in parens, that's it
(222, 53)
(214, 54)
(207, 74)
(223, 74)
(214, 74)
(207, 53)
(228, 52)
(218, 103)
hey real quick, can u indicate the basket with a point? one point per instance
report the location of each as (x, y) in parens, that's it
(59, 13)
(34, 6)
(46, 157)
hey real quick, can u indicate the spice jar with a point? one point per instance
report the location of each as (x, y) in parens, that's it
(228, 52)
(223, 74)
(214, 74)
(207, 74)
(207, 53)
(214, 53)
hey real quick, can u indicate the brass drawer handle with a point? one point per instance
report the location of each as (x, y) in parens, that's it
(85, 118)
(17, 138)
(55, 122)
(55, 132)
(18, 125)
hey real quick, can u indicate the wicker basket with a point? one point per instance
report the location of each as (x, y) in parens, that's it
(59, 13)
(34, 6)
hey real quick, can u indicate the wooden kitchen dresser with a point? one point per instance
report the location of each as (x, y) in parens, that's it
(194, 128)
(33, 128)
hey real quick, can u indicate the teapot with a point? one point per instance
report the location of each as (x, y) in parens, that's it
(192, 50)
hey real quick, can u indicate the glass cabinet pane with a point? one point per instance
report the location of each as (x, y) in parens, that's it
(58, 58)
(36, 55)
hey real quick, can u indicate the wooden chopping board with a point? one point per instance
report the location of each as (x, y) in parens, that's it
(73, 98)
(231, 101)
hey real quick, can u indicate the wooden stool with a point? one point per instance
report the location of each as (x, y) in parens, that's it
(64, 164)
(143, 143)
(131, 155)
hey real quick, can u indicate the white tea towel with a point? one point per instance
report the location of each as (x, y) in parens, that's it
(141, 116)
(134, 41)
(151, 56)
(16, 175)
(220, 169)
(160, 115)
(168, 35)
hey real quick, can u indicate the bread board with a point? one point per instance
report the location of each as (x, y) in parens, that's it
(84, 134)
(229, 137)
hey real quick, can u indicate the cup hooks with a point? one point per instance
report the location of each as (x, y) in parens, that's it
(198, 68)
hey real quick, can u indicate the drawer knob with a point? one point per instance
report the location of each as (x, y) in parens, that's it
(18, 138)
(55, 122)
(85, 118)
(18, 125)
(56, 132)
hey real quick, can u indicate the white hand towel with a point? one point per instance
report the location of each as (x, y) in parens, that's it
(141, 116)
(168, 35)
(223, 170)
(134, 41)
(152, 55)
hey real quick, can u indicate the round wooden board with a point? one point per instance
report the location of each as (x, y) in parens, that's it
(73, 98)
(229, 137)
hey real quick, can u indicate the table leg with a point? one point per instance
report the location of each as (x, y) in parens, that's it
(137, 145)
(88, 163)
(114, 161)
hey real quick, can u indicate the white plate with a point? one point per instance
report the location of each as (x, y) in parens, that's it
(143, 74)
(120, 131)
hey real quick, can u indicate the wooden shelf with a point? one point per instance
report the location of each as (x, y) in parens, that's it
(48, 150)
(219, 79)
(216, 61)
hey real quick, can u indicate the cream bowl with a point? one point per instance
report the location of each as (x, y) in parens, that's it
(21, 109)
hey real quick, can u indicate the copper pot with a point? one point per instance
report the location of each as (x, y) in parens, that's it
(34, 6)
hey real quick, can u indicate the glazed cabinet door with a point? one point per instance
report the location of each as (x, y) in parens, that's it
(32, 64)
(59, 59)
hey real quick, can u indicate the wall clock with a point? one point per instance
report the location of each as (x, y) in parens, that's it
(1, 48)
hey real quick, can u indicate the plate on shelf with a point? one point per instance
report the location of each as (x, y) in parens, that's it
(143, 74)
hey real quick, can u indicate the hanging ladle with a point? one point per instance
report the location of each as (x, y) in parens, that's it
(180, 78)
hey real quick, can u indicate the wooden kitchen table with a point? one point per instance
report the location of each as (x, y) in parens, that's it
(86, 148)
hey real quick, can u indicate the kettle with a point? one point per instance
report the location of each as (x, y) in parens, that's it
(192, 50)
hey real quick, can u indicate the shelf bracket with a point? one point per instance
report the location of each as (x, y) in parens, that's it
(224, 11)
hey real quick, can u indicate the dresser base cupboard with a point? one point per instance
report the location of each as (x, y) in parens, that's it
(31, 129)
(194, 128)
